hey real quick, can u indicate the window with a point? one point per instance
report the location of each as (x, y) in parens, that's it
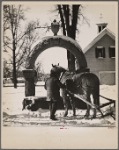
(99, 28)
(103, 27)
(100, 52)
(112, 51)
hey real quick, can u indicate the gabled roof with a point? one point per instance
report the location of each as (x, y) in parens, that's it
(98, 37)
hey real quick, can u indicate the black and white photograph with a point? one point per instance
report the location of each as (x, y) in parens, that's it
(59, 75)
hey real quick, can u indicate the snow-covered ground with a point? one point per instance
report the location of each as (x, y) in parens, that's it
(14, 116)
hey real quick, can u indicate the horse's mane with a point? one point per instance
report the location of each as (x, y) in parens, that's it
(82, 70)
(62, 69)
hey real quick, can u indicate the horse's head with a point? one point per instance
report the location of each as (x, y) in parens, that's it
(57, 70)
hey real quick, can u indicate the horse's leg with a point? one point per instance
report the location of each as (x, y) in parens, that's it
(96, 100)
(72, 102)
(86, 96)
(66, 106)
(65, 101)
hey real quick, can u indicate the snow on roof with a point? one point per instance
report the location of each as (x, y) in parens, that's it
(98, 37)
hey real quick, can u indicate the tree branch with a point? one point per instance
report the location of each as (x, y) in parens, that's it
(84, 18)
(6, 45)
(75, 10)
(32, 30)
(62, 19)
(20, 48)
(66, 14)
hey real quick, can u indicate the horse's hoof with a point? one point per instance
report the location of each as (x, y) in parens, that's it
(93, 117)
(65, 114)
(86, 117)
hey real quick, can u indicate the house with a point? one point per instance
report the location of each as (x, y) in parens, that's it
(100, 55)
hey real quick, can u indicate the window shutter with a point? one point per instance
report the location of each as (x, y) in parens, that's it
(96, 52)
(109, 52)
(114, 52)
(103, 52)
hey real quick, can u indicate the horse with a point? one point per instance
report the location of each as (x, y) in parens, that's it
(83, 83)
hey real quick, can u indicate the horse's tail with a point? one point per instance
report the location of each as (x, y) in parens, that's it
(95, 93)
(92, 87)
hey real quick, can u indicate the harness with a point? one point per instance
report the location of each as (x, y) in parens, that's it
(62, 73)
(65, 76)
(72, 76)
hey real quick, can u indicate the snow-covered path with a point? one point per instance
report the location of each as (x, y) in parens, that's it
(14, 116)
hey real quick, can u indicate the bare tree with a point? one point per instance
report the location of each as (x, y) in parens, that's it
(30, 36)
(12, 17)
(70, 15)
(39, 70)
(15, 39)
(6, 69)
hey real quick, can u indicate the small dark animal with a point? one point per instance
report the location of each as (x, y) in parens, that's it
(34, 103)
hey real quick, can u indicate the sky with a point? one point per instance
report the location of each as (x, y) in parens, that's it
(43, 11)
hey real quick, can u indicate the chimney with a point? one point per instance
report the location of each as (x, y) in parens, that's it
(101, 25)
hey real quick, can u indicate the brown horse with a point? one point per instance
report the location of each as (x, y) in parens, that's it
(84, 83)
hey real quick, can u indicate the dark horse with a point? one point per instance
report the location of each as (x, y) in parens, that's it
(84, 83)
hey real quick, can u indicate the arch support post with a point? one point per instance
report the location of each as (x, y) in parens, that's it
(29, 75)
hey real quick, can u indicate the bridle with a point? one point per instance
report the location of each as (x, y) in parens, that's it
(59, 73)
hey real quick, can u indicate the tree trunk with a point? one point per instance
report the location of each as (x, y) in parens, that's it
(14, 66)
(70, 56)
(71, 61)
(72, 33)
(71, 23)
(62, 19)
